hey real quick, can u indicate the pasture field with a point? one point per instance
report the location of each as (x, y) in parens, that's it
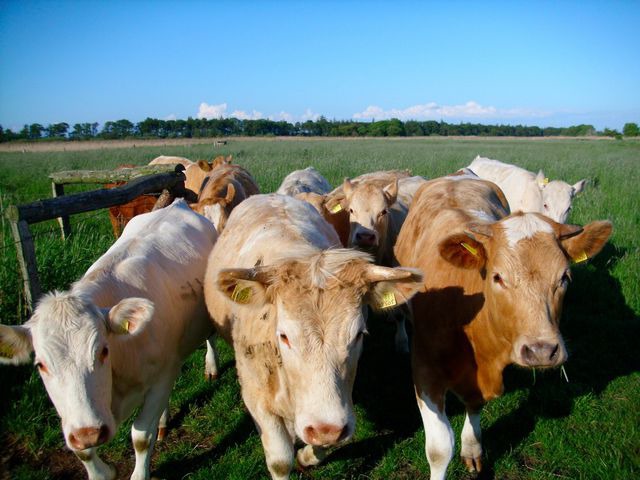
(542, 428)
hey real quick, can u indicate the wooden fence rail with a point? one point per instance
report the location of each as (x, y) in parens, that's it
(21, 216)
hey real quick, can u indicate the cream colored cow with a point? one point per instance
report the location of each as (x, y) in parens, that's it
(169, 160)
(292, 306)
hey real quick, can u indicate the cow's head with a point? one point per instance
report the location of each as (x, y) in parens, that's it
(525, 260)
(368, 206)
(71, 339)
(315, 305)
(217, 207)
(556, 197)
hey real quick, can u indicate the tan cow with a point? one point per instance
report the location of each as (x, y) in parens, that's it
(291, 305)
(169, 160)
(197, 172)
(493, 295)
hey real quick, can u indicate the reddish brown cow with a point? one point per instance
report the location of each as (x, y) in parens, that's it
(494, 286)
(120, 215)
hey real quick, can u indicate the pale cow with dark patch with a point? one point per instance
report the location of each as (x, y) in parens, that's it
(292, 306)
(493, 294)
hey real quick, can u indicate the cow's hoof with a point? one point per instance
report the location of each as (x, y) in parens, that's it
(474, 465)
(309, 456)
(162, 433)
(210, 377)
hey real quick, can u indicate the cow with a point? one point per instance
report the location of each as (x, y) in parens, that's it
(375, 217)
(116, 340)
(169, 160)
(197, 172)
(290, 303)
(528, 192)
(224, 188)
(308, 180)
(493, 292)
(120, 215)
(339, 219)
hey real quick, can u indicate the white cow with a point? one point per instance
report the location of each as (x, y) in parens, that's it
(308, 180)
(528, 192)
(291, 305)
(116, 340)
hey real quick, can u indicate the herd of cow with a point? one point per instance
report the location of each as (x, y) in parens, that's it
(287, 279)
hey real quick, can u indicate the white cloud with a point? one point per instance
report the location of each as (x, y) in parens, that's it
(286, 116)
(212, 111)
(433, 111)
(242, 115)
(309, 115)
(171, 117)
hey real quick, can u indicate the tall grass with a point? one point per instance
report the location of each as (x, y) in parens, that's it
(542, 427)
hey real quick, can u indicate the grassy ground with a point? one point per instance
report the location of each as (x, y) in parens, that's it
(542, 428)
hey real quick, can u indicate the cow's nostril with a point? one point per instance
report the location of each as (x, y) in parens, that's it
(554, 352)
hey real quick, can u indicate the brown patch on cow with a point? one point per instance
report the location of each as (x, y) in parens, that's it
(280, 469)
(141, 445)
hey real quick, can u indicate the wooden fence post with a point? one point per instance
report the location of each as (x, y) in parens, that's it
(65, 225)
(27, 260)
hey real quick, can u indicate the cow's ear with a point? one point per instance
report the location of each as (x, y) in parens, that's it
(129, 316)
(463, 251)
(579, 187)
(231, 192)
(391, 287)
(244, 286)
(204, 165)
(541, 180)
(391, 192)
(335, 203)
(15, 345)
(588, 242)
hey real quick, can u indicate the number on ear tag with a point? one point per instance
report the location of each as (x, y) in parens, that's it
(388, 300)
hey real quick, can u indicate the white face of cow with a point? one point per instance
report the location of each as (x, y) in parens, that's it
(525, 263)
(368, 213)
(70, 338)
(557, 197)
(319, 328)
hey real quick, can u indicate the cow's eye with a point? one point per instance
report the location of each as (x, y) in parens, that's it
(566, 278)
(351, 210)
(284, 339)
(104, 354)
(360, 335)
(498, 279)
(546, 207)
(42, 368)
(383, 213)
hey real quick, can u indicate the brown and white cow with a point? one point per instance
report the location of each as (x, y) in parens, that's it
(493, 295)
(291, 305)
(116, 340)
(224, 188)
(376, 214)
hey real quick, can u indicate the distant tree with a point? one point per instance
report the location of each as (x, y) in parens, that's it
(607, 132)
(57, 130)
(631, 130)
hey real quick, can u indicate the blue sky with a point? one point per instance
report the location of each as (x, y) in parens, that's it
(538, 63)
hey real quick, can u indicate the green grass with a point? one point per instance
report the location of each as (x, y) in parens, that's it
(542, 428)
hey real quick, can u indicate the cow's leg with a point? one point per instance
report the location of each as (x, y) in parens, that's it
(471, 449)
(311, 455)
(277, 444)
(145, 427)
(439, 440)
(95, 467)
(211, 359)
(162, 424)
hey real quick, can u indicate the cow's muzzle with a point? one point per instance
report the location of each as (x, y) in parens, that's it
(325, 434)
(87, 437)
(543, 354)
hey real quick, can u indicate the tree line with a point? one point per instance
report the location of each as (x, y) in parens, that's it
(200, 127)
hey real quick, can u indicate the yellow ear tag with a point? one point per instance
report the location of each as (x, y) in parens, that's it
(241, 295)
(125, 326)
(388, 300)
(581, 258)
(545, 181)
(337, 207)
(6, 351)
(470, 249)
